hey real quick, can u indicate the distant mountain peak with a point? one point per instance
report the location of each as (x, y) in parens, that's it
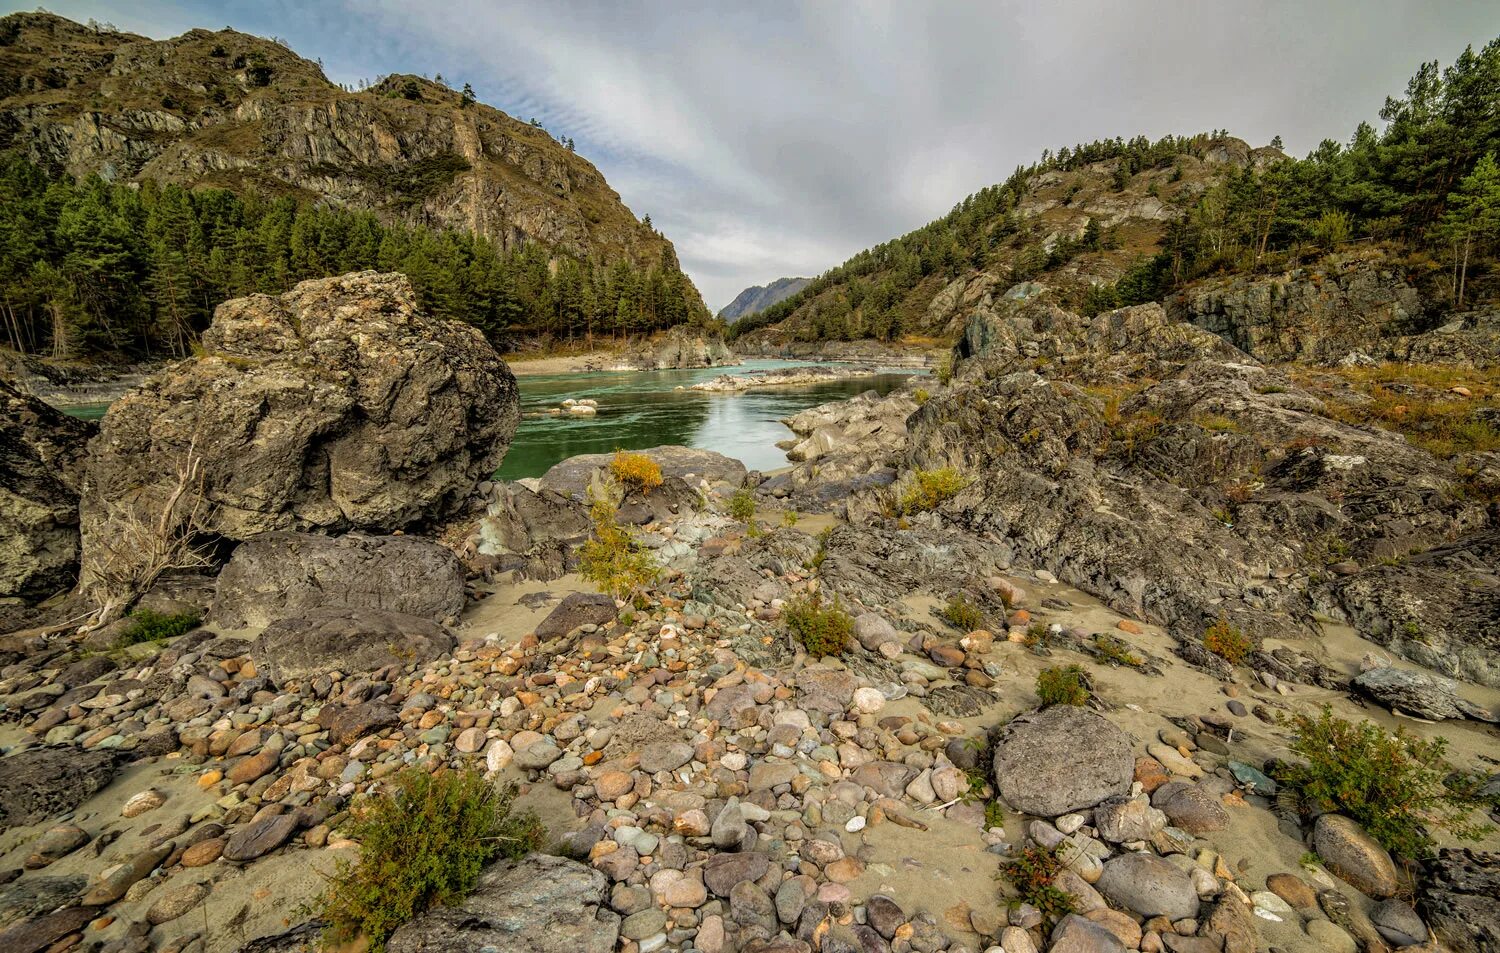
(760, 297)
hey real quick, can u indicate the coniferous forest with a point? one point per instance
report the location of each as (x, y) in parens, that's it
(92, 267)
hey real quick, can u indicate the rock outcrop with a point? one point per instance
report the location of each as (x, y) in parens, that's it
(41, 471)
(43, 783)
(684, 347)
(333, 407)
(350, 640)
(572, 477)
(281, 575)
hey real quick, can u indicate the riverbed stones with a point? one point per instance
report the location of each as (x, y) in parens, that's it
(120, 878)
(56, 843)
(1150, 886)
(1355, 856)
(665, 756)
(1061, 759)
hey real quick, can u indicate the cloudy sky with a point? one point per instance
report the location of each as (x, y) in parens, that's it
(778, 138)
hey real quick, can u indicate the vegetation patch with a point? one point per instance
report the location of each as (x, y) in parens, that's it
(929, 489)
(148, 626)
(422, 845)
(1397, 786)
(635, 471)
(612, 558)
(1227, 642)
(1116, 652)
(963, 614)
(822, 630)
(1031, 874)
(1063, 685)
(742, 505)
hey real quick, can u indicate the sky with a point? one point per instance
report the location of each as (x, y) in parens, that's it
(778, 138)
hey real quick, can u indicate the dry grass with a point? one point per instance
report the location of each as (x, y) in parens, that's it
(1415, 400)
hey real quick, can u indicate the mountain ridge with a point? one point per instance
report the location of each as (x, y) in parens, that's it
(759, 297)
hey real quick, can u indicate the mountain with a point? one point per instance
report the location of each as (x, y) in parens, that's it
(229, 111)
(757, 298)
(1114, 222)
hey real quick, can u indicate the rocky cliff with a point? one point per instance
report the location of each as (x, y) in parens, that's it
(757, 298)
(237, 111)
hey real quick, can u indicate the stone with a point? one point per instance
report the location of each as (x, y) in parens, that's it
(665, 756)
(868, 701)
(1076, 934)
(1191, 808)
(286, 575)
(872, 630)
(1061, 759)
(367, 415)
(42, 455)
(1354, 856)
(538, 755)
(1457, 897)
(352, 640)
(1150, 886)
(722, 871)
(1418, 693)
(538, 904)
(42, 783)
(42, 932)
(347, 724)
(174, 902)
(884, 914)
(203, 853)
(1120, 819)
(577, 609)
(613, 784)
(1332, 938)
(729, 827)
(255, 766)
(259, 837)
(1398, 923)
(571, 477)
(750, 906)
(1016, 940)
(825, 690)
(117, 880)
(1294, 890)
(54, 844)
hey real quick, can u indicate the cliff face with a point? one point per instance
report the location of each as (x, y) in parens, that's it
(236, 111)
(760, 297)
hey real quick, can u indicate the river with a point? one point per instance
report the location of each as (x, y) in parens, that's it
(639, 409)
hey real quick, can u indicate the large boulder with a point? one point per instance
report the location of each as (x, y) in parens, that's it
(577, 609)
(280, 575)
(351, 640)
(1458, 891)
(1355, 856)
(571, 477)
(44, 783)
(539, 904)
(335, 406)
(1150, 886)
(1418, 693)
(1061, 759)
(41, 471)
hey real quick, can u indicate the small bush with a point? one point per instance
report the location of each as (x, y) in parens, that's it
(1063, 686)
(148, 626)
(1227, 642)
(822, 631)
(1113, 650)
(635, 471)
(963, 614)
(611, 558)
(789, 518)
(931, 488)
(944, 369)
(742, 505)
(422, 845)
(922, 396)
(1397, 786)
(1031, 874)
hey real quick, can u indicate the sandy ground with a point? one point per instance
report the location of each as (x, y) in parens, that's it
(523, 366)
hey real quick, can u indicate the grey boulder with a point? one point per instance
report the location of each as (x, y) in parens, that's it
(45, 782)
(1418, 693)
(1150, 886)
(1061, 759)
(348, 640)
(539, 904)
(576, 609)
(282, 574)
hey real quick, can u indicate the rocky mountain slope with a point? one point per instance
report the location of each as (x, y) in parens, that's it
(237, 111)
(757, 298)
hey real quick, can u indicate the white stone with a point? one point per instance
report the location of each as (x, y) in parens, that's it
(868, 700)
(498, 755)
(856, 823)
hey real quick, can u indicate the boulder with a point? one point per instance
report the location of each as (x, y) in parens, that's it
(1457, 896)
(571, 477)
(336, 406)
(41, 933)
(352, 641)
(42, 783)
(41, 470)
(1417, 693)
(539, 904)
(1061, 759)
(1398, 923)
(576, 609)
(1075, 934)
(1356, 857)
(284, 574)
(1191, 808)
(1150, 886)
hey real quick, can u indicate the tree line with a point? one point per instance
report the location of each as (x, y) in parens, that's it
(93, 267)
(1426, 180)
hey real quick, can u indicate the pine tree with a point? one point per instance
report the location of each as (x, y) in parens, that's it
(1472, 222)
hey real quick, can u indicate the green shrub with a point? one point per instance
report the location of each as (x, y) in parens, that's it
(789, 518)
(742, 505)
(1062, 686)
(1397, 786)
(821, 630)
(148, 626)
(1113, 650)
(611, 558)
(1227, 642)
(1031, 874)
(422, 845)
(922, 395)
(963, 614)
(930, 488)
(944, 369)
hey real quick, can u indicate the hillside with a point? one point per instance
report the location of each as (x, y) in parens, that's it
(757, 298)
(229, 111)
(1113, 223)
